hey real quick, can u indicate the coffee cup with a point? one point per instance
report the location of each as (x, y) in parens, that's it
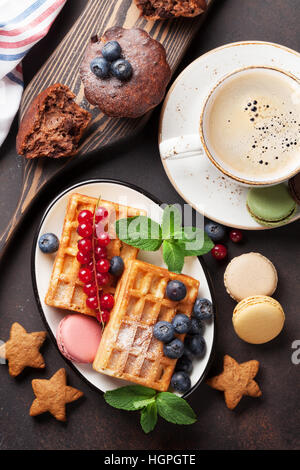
(249, 127)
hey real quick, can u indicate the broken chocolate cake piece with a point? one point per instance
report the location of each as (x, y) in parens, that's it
(167, 9)
(53, 124)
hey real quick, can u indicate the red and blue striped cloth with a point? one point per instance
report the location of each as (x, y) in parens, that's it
(22, 24)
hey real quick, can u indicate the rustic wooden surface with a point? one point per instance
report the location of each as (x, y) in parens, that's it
(272, 422)
(63, 67)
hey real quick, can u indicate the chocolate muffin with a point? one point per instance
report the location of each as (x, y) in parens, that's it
(166, 9)
(53, 124)
(149, 74)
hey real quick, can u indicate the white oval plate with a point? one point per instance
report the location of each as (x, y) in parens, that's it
(42, 268)
(195, 178)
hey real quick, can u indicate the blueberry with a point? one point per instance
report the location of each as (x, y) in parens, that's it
(203, 309)
(188, 353)
(181, 323)
(116, 266)
(48, 243)
(163, 331)
(196, 327)
(121, 69)
(176, 290)
(100, 67)
(181, 382)
(184, 364)
(215, 231)
(174, 349)
(196, 344)
(111, 51)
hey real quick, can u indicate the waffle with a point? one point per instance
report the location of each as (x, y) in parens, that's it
(66, 290)
(128, 349)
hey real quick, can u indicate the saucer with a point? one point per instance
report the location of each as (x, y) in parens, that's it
(189, 170)
(52, 222)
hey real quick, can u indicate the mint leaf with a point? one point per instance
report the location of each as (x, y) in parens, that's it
(189, 234)
(140, 232)
(149, 417)
(173, 255)
(130, 398)
(174, 409)
(194, 241)
(139, 404)
(171, 221)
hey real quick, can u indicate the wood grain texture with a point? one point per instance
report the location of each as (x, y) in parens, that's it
(63, 66)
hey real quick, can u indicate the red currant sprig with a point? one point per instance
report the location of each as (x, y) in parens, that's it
(92, 255)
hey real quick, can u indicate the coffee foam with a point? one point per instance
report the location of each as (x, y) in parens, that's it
(252, 125)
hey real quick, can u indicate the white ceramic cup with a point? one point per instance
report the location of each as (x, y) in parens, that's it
(195, 145)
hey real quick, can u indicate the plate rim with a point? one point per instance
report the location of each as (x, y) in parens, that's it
(165, 102)
(37, 297)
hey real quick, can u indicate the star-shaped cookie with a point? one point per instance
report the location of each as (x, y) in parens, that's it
(52, 395)
(22, 349)
(236, 381)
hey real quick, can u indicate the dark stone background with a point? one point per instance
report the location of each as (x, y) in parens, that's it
(271, 422)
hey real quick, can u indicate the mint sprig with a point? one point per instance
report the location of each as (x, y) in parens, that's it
(151, 404)
(176, 241)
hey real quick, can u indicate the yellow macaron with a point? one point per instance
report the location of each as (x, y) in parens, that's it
(258, 319)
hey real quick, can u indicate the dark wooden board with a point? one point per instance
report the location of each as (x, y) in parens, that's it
(269, 422)
(63, 66)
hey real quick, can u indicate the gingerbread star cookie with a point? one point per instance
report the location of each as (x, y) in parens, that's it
(52, 395)
(22, 349)
(236, 381)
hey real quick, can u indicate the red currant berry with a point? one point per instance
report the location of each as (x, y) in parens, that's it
(103, 266)
(100, 252)
(103, 279)
(236, 235)
(99, 318)
(103, 317)
(219, 252)
(103, 239)
(84, 245)
(85, 217)
(92, 302)
(90, 289)
(106, 301)
(85, 275)
(82, 258)
(101, 214)
(90, 266)
(85, 230)
(105, 314)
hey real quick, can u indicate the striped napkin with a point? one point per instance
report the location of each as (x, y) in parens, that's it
(22, 24)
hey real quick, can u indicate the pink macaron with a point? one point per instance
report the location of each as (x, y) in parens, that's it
(78, 337)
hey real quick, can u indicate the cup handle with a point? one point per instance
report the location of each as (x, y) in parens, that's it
(185, 146)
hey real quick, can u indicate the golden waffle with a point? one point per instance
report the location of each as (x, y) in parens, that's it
(128, 349)
(65, 289)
